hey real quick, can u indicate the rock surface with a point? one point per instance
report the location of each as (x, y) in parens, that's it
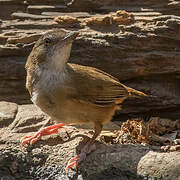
(7, 113)
(140, 47)
(137, 42)
(47, 158)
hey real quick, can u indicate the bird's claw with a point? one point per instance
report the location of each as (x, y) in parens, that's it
(42, 132)
(72, 162)
(30, 139)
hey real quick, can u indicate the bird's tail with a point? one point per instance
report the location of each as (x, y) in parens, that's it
(136, 94)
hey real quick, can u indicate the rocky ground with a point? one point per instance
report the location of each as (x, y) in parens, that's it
(137, 42)
(118, 154)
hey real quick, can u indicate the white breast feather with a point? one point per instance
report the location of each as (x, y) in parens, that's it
(48, 80)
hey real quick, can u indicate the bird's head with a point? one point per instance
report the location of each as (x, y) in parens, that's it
(52, 50)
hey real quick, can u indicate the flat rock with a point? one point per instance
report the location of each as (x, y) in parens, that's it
(32, 25)
(10, 2)
(110, 126)
(166, 17)
(3, 39)
(42, 2)
(20, 15)
(29, 118)
(6, 51)
(160, 165)
(73, 14)
(141, 161)
(143, 54)
(8, 112)
(38, 9)
(24, 39)
(79, 5)
(149, 14)
(49, 156)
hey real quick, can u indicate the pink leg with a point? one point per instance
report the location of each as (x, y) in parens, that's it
(42, 132)
(86, 150)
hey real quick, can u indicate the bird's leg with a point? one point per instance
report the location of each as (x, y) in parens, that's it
(42, 132)
(90, 146)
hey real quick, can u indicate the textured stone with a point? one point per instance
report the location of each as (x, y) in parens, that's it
(66, 20)
(7, 113)
(118, 18)
(133, 160)
(142, 53)
(73, 14)
(3, 39)
(160, 165)
(25, 40)
(108, 126)
(38, 9)
(10, 2)
(29, 118)
(31, 25)
(88, 5)
(29, 16)
(10, 6)
(108, 161)
(12, 51)
(49, 2)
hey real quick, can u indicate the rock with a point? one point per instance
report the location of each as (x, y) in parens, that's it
(110, 126)
(12, 86)
(3, 39)
(7, 113)
(10, 2)
(31, 25)
(49, 2)
(72, 14)
(165, 17)
(11, 6)
(120, 158)
(66, 20)
(38, 9)
(29, 16)
(6, 51)
(29, 118)
(25, 39)
(160, 165)
(140, 48)
(88, 5)
(48, 157)
(106, 162)
(119, 17)
(155, 14)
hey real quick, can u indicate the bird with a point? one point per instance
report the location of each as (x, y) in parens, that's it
(71, 93)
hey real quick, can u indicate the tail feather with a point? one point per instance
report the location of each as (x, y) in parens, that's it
(135, 93)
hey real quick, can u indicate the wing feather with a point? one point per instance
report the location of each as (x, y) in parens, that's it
(95, 86)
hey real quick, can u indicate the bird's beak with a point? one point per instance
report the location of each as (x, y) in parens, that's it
(71, 36)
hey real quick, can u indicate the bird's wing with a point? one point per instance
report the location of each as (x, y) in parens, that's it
(95, 86)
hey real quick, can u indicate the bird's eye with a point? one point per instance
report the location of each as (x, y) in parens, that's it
(47, 42)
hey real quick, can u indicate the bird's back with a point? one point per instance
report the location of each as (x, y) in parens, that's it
(98, 87)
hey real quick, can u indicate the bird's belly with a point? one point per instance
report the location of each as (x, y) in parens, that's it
(74, 112)
(69, 111)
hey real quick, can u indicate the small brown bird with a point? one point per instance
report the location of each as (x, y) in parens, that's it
(71, 93)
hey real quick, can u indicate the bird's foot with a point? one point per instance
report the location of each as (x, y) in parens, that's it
(74, 162)
(42, 132)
